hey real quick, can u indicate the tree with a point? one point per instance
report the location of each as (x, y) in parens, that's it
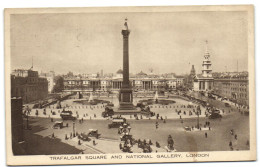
(59, 85)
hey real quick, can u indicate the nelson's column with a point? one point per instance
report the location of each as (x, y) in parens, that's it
(126, 94)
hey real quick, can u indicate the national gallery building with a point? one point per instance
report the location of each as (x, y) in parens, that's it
(139, 82)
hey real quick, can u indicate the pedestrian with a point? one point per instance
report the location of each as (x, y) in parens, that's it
(94, 142)
(236, 136)
(206, 135)
(70, 135)
(156, 125)
(230, 144)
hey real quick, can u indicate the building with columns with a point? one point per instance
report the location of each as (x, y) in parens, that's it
(204, 81)
(104, 84)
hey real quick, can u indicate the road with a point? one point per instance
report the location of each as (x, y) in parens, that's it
(218, 137)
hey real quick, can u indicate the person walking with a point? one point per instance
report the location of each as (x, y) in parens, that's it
(206, 135)
(230, 144)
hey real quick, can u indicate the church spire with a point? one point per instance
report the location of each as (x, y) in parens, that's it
(206, 55)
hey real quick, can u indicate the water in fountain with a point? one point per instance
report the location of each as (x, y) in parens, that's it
(90, 97)
(156, 97)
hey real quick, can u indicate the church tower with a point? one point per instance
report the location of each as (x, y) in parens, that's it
(206, 65)
(204, 81)
(192, 71)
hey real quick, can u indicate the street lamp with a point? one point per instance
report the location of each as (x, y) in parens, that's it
(198, 114)
(27, 110)
(74, 129)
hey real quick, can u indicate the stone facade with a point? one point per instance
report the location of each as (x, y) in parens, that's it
(72, 84)
(233, 86)
(50, 78)
(28, 85)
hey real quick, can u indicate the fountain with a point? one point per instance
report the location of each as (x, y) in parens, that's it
(91, 101)
(156, 97)
(156, 100)
(90, 97)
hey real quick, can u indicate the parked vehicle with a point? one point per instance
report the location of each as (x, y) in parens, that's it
(187, 128)
(93, 133)
(227, 105)
(215, 116)
(116, 123)
(84, 137)
(67, 115)
(58, 125)
(108, 112)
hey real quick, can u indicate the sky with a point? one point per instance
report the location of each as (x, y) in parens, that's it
(165, 42)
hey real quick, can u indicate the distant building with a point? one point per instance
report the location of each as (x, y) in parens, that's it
(139, 82)
(233, 86)
(191, 77)
(180, 81)
(28, 85)
(204, 81)
(119, 74)
(50, 78)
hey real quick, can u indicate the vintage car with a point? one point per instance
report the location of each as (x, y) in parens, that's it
(93, 133)
(58, 125)
(187, 128)
(67, 115)
(116, 123)
(215, 116)
(108, 112)
(84, 137)
(227, 105)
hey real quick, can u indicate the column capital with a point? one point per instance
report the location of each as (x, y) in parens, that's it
(125, 33)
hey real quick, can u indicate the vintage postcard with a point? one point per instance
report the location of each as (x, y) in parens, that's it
(130, 85)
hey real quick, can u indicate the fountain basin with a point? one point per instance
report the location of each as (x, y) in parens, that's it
(157, 101)
(92, 102)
